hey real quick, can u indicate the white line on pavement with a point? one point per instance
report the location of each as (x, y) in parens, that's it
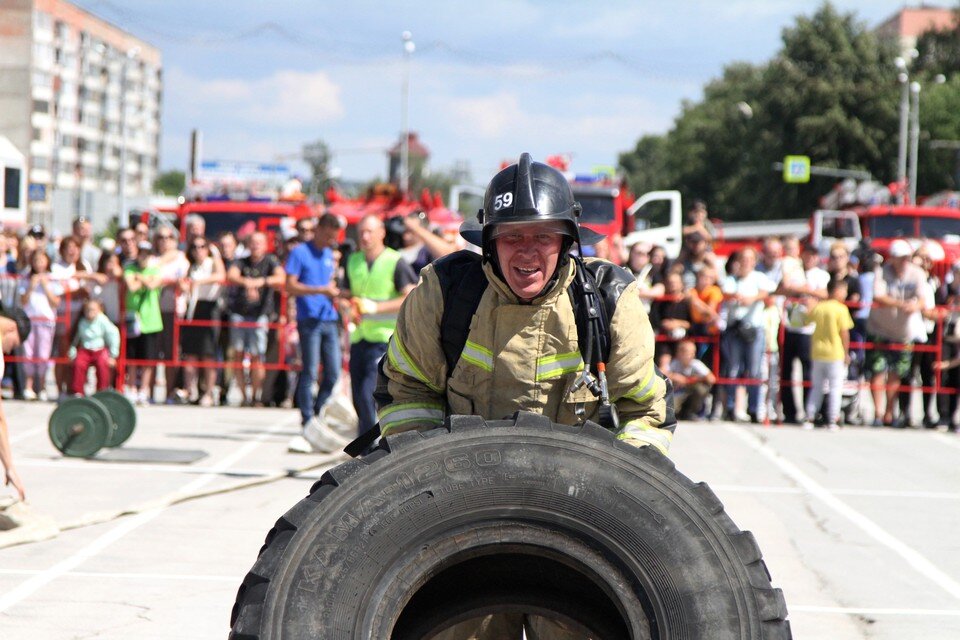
(949, 440)
(122, 576)
(26, 434)
(873, 612)
(67, 463)
(32, 585)
(879, 493)
(868, 526)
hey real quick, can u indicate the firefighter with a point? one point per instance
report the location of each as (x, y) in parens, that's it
(523, 348)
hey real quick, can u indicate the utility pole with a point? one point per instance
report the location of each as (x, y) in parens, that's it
(904, 79)
(408, 49)
(914, 139)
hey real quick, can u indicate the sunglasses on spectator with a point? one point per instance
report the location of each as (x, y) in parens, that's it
(837, 256)
(164, 236)
(199, 246)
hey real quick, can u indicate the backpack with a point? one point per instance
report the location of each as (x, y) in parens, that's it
(463, 282)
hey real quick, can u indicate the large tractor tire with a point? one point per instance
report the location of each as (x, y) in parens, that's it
(513, 516)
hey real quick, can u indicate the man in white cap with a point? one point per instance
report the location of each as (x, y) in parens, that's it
(898, 299)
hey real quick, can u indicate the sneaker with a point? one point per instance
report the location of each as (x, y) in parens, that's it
(323, 438)
(833, 426)
(29, 394)
(42, 396)
(141, 398)
(206, 401)
(807, 425)
(299, 444)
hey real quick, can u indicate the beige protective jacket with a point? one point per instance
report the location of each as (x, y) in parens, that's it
(520, 357)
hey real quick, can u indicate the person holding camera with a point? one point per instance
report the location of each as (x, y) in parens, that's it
(417, 244)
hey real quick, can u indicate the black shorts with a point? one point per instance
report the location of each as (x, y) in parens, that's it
(146, 346)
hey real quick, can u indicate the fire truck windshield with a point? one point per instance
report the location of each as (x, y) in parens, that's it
(597, 209)
(914, 227)
(938, 227)
(220, 221)
(893, 227)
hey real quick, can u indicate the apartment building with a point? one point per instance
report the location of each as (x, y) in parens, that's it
(77, 95)
(908, 24)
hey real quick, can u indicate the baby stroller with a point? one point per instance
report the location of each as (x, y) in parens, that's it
(850, 410)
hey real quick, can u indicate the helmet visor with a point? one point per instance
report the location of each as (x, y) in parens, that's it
(545, 227)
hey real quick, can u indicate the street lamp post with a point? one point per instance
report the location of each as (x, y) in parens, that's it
(914, 138)
(123, 220)
(904, 79)
(408, 49)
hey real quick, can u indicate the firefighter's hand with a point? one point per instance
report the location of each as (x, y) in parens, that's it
(365, 306)
(13, 479)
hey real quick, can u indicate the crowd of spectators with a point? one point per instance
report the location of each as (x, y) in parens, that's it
(223, 315)
(759, 309)
(216, 311)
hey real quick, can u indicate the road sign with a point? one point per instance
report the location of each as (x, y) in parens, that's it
(796, 169)
(37, 192)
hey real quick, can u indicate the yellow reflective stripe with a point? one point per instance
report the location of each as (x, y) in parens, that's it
(401, 361)
(558, 365)
(642, 432)
(411, 412)
(477, 355)
(645, 390)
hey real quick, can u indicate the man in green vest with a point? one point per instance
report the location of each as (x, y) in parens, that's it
(377, 280)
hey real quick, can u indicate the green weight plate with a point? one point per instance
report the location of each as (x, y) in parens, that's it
(122, 412)
(79, 427)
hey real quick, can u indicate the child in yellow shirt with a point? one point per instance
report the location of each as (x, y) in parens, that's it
(829, 352)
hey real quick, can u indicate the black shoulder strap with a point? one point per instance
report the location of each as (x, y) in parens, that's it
(462, 282)
(608, 281)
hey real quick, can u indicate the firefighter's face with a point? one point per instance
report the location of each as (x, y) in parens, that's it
(528, 255)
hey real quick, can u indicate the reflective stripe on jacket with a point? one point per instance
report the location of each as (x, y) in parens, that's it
(520, 357)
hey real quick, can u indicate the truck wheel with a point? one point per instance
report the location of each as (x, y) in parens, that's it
(511, 516)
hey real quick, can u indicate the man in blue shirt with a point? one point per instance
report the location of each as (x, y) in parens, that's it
(312, 277)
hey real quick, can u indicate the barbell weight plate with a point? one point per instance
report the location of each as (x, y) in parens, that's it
(79, 427)
(122, 412)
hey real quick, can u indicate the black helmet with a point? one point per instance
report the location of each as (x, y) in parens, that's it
(527, 192)
(21, 319)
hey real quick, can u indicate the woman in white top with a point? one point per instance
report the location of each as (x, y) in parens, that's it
(742, 341)
(70, 270)
(39, 296)
(202, 289)
(173, 266)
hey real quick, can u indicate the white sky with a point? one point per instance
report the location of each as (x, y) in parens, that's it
(488, 79)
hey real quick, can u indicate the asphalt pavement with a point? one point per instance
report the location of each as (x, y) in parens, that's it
(859, 527)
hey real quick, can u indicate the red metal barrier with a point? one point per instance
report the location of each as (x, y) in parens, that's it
(284, 326)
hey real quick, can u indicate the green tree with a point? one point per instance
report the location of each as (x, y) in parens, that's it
(938, 166)
(830, 93)
(170, 183)
(645, 166)
(939, 51)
